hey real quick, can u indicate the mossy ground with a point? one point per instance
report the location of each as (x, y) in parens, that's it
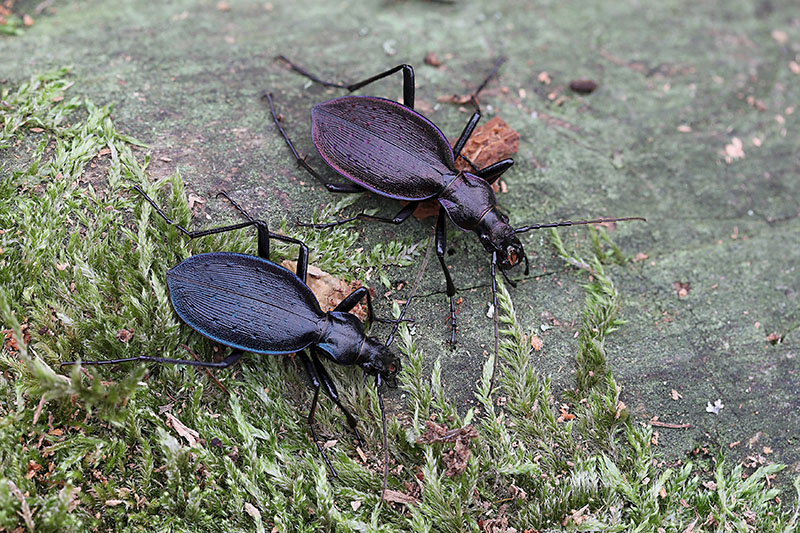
(84, 260)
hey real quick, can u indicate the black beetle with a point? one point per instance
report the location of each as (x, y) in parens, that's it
(390, 149)
(251, 304)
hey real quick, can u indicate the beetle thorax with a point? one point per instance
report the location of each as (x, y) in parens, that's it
(342, 338)
(467, 198)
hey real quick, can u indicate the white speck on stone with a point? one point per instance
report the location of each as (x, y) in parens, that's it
(715, 408)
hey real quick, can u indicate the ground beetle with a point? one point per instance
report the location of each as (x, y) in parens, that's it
(253, 305)
(390, 149)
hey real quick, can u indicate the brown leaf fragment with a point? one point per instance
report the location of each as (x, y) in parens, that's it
(544, 78)
(780, 36)
(733, 150)
(187, 433)
(536, 343)
(432, 59)
(329, 290)
(195, 199)
(583, 86)
(399, 497)
(640, 257)
(27, 20)
(113, 503)
(456, 459)
(774, 337)
(124, 335)
(426, 209)
(676, 395)
(490, 143)
(355, 504)
(455, 99)
(33, 467)
(682, 289)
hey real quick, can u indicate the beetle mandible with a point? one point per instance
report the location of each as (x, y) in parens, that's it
(390, 149)
(251, 304)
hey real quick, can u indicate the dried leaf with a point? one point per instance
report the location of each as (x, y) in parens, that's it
(189, 434)
(682, 289)
(399, 497)
(251, 509)
(329, 290)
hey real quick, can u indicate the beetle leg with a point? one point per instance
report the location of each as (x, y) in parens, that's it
(354, 297)
(441, 245)
(495, 170)
(399, 218)
(408, 80)
(301, 162)
(466, 133)
(228, 361)
(330, 390)
(313, 411)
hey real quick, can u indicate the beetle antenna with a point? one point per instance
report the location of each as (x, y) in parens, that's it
(378, 383)
(523, 229)
(390, 339)
(500, 61)
(496, 318)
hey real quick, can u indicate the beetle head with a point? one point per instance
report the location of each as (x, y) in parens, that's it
(497, 236)
(378, 360)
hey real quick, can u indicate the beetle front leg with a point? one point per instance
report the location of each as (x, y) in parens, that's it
(354, 297)
(330, 389)
(495, 170)
(441, 246)
(315, 383)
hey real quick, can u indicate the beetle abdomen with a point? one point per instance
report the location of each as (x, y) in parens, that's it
(245, 302)
(382, 145)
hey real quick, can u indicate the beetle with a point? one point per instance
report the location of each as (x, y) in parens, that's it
(251, 304)
(390, 149)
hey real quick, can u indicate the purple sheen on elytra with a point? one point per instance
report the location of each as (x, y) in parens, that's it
(245, 302)
(383, 146)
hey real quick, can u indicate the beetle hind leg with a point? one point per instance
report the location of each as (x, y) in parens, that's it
(301, 162)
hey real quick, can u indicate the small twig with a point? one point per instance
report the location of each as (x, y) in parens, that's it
(668, 425)
(38, 410)
(208, 372)
(26, 511)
